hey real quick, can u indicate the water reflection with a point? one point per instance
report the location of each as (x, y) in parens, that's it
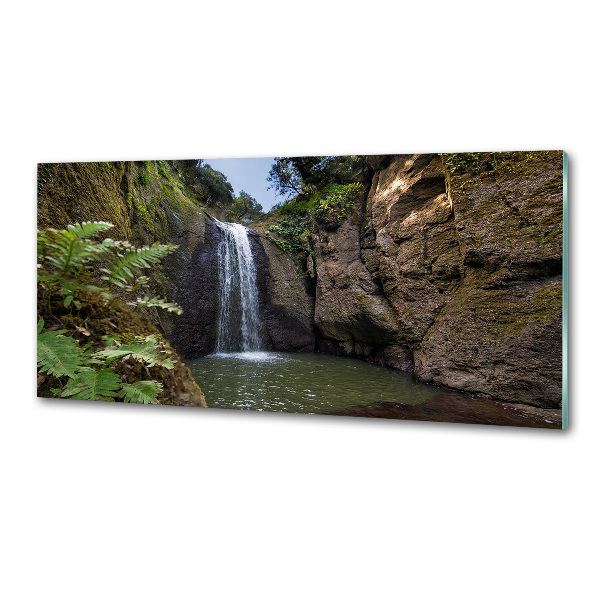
(305, 383)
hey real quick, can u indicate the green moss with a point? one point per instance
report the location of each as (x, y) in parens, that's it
(364, 300)
(142, 179)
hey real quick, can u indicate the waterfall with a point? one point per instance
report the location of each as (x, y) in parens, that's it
(239, 324)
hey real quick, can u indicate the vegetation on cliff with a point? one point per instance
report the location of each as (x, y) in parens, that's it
(210, 188)
(317, 191)
(82, 352)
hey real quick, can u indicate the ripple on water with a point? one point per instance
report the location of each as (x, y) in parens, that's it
(303, 382)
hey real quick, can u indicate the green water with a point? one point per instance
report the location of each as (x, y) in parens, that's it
(301, 383)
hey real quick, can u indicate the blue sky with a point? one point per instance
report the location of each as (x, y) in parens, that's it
(248, 174)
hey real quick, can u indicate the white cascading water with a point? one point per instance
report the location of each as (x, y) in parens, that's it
(239, 324)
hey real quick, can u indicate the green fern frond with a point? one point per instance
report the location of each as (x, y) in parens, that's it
(92, 384)
(158, 303)
(141, 392)
(147, 352)
(128, 265)
(57, 354)
(88, 229)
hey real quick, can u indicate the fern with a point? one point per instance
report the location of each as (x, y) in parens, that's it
(88, 229)
(141, 392)
(69, 257)
(92, 384)
(159, 303)
(69, 263)
(57, 354)
(67, 250)
(128, 265)
(147, 352)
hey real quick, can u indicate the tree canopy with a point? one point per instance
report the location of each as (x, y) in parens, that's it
(212, 185)
(302, 175)
(244, 208)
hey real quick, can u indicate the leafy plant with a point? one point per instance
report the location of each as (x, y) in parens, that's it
(93, 384)
(288, 230)
(297, 215)
(146, 350)
(245, 208)
(57, 354)
(70, 261)
(305, 175)
(142, 392)
(335, 202)
(123, 267)
(473, 163)
(159, 303)
(89, 373)
(79, 270)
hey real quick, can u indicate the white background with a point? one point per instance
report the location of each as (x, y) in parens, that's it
(123, 502)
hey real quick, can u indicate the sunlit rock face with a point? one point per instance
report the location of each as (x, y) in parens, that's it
(500, 331)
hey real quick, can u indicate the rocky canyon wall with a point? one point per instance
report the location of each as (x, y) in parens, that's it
(451, 268)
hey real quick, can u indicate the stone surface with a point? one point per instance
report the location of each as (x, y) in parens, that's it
(196, 289)
(286, 304)
(352, 315)
(472, 261)
(456, 268)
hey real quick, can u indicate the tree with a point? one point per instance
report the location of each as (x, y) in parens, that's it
(245, 208)
(285, 178)
(304, 175)
(211, 185)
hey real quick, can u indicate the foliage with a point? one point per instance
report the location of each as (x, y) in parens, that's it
(335, 202)
(92, 384)
(89, 373)
(306, 174)
(295, 206)
(211, 186)
(79, 270)
(71, 262)
(244, 209)
(159, 303)
(124, 266)
(289, 230)
(298, 215)
(470, 162)
(147, 350)
(142, 392)
(284, 177)
(58, 355)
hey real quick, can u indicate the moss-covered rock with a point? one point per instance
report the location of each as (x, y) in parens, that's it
(459, 266)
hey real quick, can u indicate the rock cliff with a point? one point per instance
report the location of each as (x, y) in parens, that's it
(450, 267)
